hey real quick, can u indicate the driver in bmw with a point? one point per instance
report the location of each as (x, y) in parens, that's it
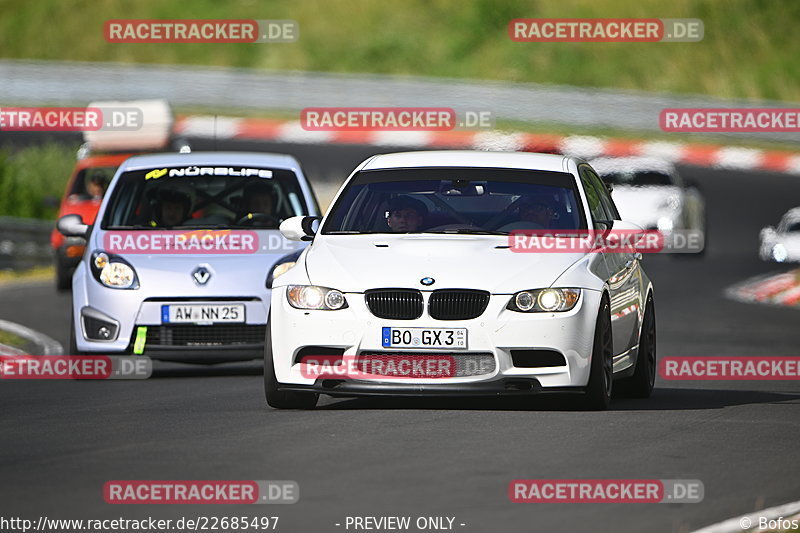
(538, 210)
(405, 214)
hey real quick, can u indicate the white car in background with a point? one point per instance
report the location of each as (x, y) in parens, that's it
(782, 244)
(650, 193)
(411, 266)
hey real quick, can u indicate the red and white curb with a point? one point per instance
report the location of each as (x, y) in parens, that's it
(774, 289)
(291, 131)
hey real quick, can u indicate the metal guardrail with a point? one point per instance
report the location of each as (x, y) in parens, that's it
(78, 83)
(25, 243)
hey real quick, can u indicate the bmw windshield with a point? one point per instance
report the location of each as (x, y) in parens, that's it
(456, 200)
(213, 197)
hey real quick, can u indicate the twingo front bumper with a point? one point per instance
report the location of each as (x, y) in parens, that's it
(127, 312)
(499, 331)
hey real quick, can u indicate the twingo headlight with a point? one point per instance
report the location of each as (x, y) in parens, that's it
(544, 300)
(113, 271)
(313, 297)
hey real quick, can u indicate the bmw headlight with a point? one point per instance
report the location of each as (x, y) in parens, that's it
(313, 297)
(665, 224)
(544, 300)
(779, 253)
(113, 271)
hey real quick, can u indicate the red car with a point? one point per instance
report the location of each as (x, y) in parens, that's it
(83, 195)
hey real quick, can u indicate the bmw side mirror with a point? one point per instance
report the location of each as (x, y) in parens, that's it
(72, 226)
(299, 228)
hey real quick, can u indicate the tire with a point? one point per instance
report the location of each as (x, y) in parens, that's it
(640, 384)
(279, 399)
(63, 275)
(597, 395)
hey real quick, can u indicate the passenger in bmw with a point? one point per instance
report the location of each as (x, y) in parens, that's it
(405, 214)
(538, 210)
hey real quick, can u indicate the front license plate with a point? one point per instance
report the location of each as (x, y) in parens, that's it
(453, 338)
(202, 313)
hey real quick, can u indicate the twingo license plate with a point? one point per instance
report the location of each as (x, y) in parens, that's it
(452, 338)
(202, 313)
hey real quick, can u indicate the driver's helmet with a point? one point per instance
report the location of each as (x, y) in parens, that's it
(253, 196)
(175, 195)
(99, 177)
(407, 202)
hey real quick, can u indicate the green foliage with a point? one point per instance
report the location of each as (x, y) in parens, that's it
(31, 175)
(750, 47)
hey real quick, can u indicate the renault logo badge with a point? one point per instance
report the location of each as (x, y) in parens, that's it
(201, 275)
(427, 281)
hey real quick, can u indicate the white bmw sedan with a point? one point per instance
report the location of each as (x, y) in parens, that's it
(412, 286)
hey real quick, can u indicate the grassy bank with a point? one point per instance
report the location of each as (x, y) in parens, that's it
(30, 175)
(750, 47)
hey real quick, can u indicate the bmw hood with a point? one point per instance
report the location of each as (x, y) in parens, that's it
(645, 205)
(355, 263)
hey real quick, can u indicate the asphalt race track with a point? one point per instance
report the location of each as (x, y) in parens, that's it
(62, 440)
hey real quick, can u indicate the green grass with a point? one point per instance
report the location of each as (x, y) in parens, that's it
(32, 274)
(9, 339)
(30, 176)
(750, 48)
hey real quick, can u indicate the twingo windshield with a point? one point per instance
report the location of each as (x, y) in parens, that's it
(456, 200)
(204, 197)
